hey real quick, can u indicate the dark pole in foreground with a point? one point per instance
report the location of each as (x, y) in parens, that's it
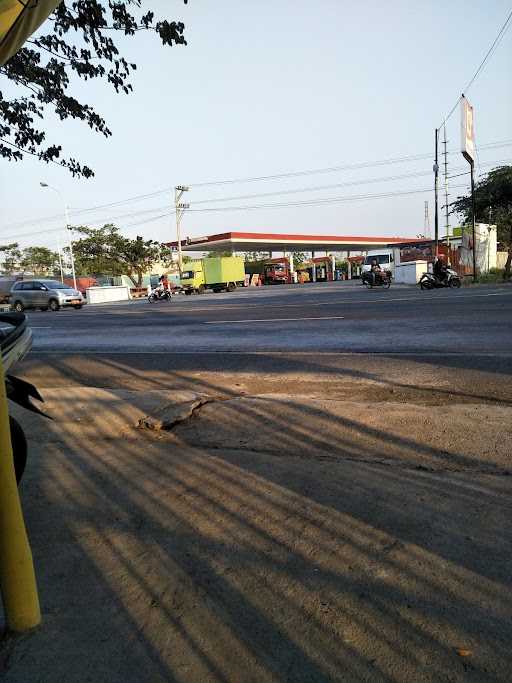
(436, 210)
(473, 219)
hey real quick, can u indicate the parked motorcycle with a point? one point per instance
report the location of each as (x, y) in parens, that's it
(159, 295)
(382, 279)
(430, 281)
(15, 343)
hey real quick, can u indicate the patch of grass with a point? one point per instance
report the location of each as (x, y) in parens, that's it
(494, 275)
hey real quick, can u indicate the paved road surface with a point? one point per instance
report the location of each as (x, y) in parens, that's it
(333, 317)
(334, 339)
(310, 534)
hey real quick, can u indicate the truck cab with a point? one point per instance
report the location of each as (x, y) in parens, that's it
(192, 279)
(277, 271)
(384, 258)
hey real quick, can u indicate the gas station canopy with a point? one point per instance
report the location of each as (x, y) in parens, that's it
(262, 241)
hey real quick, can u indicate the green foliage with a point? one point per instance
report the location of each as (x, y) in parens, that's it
(494, 275)
(298, 258)
(250, 256)
(40, 260)
(217, 254)
(78, 45)
(104, 250)
(11, 257)
(342, 265)
(493, 204)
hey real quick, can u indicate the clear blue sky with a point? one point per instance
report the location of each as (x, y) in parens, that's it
(270, 87)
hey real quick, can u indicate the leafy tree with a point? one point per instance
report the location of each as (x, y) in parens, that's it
(40, 260)
(79, 44)
(11, 257)
(493, 204)
(217, 254)
(250, 256)
(104, 250)
(342, 265)
(96, 252)
(298, 258)
(138, 256)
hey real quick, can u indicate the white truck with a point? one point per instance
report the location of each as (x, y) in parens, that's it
(385, 258)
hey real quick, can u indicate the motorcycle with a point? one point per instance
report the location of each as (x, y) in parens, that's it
(15, 343)
(159, 295)
(430, 281)
(382, 279)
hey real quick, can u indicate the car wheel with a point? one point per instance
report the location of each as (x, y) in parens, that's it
(54, 305)
(18, 307)
(231, 287)
(77, 307)
(44, 308)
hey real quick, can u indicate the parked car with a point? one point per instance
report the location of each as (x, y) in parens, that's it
(44, 294)
(6, 284)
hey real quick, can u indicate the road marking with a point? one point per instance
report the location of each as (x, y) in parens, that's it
(270, 320)
(234, 352)
(381, 299)
(42, 327)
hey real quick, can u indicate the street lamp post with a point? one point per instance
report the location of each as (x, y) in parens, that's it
(68, 228)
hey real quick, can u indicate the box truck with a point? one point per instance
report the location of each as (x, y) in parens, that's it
(222, 273)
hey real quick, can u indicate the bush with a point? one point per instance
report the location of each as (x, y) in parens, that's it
(494, 275)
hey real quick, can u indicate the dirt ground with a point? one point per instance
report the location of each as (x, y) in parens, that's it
(267, 538)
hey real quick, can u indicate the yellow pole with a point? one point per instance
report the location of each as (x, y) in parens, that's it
(17, 577)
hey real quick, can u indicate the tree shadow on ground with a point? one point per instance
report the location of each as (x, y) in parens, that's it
(160, 559)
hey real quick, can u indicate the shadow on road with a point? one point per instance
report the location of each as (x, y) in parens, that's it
(160, 558)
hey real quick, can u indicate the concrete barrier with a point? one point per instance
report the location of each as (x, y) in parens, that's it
(410, 272)
(102, 295)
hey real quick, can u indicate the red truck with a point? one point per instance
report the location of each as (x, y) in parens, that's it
(276, 271)
(82, 283)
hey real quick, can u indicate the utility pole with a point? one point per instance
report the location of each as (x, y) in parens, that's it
(180, 210)
(472, 164)
(446, 206)
(68, 228)
(60, 261)
(436, 185)
(426, 222)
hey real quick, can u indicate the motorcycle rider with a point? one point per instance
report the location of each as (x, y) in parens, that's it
(375, 271)
(441, 269)
(163, 286)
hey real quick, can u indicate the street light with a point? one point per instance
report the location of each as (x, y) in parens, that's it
(68, 229)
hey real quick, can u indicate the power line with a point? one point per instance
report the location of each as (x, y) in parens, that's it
(490, 51)
(347, 167)
(78, 212)
(317, 202)
(317, 188)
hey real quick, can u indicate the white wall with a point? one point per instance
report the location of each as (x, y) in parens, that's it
(102, 295)
(409, 273)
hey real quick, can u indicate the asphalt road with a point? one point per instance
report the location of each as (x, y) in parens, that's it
(325, 317)
(335, 339)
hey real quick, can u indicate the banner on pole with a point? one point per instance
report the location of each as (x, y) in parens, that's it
(467, 131)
